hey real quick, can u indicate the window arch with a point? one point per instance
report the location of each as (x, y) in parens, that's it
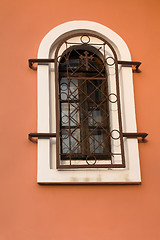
(122, 114)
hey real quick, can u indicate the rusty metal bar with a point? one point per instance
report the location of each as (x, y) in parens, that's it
(93, 166)
(130, 64)
(51, 135)
(135, 135)
(31, 136)
(44, 61)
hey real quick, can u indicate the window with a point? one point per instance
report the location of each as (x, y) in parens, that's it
(87, 99)
(88, 110)
(84, 111)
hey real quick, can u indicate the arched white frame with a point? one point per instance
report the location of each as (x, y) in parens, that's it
(47, 172)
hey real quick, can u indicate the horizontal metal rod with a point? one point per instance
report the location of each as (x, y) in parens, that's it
(135, 135)
(35, 60)
(53, 135)
(40, 135)
(49, 60)
(130, 64)
(92, 78)
(91, 166)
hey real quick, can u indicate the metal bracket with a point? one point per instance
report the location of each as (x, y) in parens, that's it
(130, 64)
(135, 135)
(49, 60)
(41, 61)
(31, 136)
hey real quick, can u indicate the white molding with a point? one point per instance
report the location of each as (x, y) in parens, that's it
(48, 174)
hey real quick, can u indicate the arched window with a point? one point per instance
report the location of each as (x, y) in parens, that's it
(89, 127)
(86, 100)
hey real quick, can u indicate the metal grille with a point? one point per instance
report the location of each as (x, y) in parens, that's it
(86, 133)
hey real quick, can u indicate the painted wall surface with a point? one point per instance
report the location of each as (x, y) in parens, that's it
(30, 211)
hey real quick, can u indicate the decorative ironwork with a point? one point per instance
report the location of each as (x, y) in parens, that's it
(86, 58)
(88, 114)
(86, 94)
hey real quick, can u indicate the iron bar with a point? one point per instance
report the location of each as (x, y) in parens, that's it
(130, 64)
(44, 61)
(93, 166)
(51, 135)
(135, 135)
(31, 136)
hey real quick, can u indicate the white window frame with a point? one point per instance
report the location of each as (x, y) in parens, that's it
(49, 174)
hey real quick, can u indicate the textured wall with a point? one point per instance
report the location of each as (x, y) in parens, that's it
(33, 212)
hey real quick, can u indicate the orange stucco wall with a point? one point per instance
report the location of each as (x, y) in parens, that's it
(34, 212)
